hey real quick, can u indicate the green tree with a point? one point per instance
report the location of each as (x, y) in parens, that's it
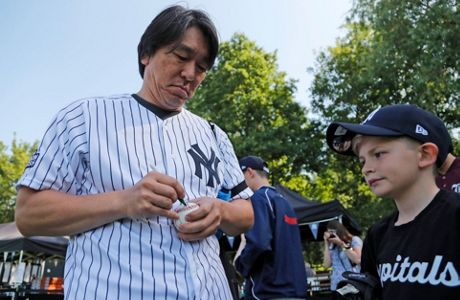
(253, 102)
(12, 164)
(394, 52)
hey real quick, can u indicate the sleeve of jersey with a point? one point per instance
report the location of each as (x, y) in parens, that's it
(233, 174)
(368, 255)
(58, 160)
(258, 238)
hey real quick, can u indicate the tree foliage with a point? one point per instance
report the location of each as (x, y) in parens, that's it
(253, 102)
(12, 164)
(394, 52)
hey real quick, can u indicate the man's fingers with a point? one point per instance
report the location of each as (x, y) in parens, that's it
(157, 211)
(200, 228)
(167, 186)
(195, 236)
(169, 214)
(156, 200)
(155, 188)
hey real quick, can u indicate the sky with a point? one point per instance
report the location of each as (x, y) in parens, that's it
(53, 52)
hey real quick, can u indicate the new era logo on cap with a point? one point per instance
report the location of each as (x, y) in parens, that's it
(420, 130)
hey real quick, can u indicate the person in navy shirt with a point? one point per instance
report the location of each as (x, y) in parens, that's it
(271, 261)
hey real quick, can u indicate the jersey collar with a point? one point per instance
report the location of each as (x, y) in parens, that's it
(159, 112)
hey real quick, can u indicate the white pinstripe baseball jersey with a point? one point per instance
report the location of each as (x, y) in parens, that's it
(104, 144)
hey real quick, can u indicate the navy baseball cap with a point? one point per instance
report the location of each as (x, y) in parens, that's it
(393, 120)
(253, 162)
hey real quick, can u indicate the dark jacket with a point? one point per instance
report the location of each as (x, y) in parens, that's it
(272, 261)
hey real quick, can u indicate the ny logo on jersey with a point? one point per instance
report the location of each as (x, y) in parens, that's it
(209, 164)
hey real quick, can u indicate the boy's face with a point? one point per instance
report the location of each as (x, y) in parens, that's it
(249, 177)
(390, 165)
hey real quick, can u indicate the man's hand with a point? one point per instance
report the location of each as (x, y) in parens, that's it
(203, 222)
(152, 195)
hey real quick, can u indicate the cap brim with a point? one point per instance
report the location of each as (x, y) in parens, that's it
(340, 134)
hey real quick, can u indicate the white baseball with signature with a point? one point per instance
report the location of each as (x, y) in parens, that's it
(184, 211)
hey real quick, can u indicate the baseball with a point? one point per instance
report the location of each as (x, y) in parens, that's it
(184, 211)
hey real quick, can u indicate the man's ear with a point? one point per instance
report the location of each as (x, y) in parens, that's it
(428, 154)
(145, 60)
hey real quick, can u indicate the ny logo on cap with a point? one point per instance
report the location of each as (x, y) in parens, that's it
(371, 115)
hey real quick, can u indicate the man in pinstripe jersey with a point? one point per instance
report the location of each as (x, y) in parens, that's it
(109, 170)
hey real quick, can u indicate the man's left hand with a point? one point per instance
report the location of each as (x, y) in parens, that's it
(203, 222)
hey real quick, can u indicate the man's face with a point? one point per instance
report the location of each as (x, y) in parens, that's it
(173, 73)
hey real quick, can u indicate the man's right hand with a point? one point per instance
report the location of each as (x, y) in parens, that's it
(152, 195)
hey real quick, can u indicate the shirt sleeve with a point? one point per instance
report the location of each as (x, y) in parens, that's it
(57, 161)
(258, 238)
(356, 242)
(368, 260)
(233, 175)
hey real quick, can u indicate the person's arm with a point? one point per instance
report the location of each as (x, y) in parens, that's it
(240, 248)
(326, 254)
(50, 212)
(368, 257)
(237, 216)
(368, 260)
(353, 251)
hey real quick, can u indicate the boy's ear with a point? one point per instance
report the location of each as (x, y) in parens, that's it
(429, 154)
(250, 172)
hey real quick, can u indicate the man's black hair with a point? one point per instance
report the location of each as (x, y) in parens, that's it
(169, 27)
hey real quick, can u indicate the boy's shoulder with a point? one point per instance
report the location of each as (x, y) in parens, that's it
(449, 203)
(450, 196)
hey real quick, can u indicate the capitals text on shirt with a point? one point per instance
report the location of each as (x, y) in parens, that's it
(403, 270)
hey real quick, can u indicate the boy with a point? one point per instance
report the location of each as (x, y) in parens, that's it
(415, 252)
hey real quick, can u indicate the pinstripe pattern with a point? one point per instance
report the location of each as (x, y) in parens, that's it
(105, 144)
